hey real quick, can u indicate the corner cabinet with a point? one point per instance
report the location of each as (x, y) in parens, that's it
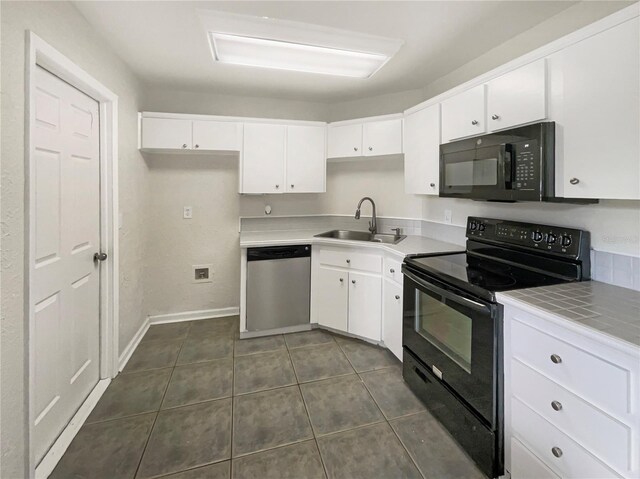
(422, 151)
(376, 136)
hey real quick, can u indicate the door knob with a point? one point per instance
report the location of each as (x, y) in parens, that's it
(392, 270)
(277, 186)
(353, 281)
(495, 117)
(292, 185)
(397, 296)
(474, 122)
(184, 145)
(432, 185)
(197, 146)
(341, 280)
(371, 148)
(99, 256)
(355, 148)
(348, 261)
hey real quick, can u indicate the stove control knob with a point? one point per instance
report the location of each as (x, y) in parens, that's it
(566, 240)
(473, 225)
(536, 236)
(481, 226)
(551, 238)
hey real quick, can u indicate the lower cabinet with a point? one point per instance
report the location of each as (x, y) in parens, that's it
(365, 312)
(392, 318)
(332, 298)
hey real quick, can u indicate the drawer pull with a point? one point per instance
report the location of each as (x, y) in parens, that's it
(341, 280)
(556, 451)
(392, 271)
(556, 359)
(348, 261)
(556, 405)
(353, 281)
(397, 296)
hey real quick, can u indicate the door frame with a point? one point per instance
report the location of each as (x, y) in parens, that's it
(40, 53)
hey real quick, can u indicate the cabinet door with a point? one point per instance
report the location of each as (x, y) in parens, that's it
(331, 291)
(382, 137)
(217, 135)
(392, 321)
(345, 141)
(517, 97)
(263, 158)
(365, 307)
(166, 134)
(598, 116)
(464, 114)
(422, 151)
(526, 465)
(306, 159)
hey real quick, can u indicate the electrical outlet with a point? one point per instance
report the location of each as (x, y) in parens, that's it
(187, 212)
(447, 216)
(202, 273)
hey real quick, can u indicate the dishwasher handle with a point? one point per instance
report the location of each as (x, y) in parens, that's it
(278, 252)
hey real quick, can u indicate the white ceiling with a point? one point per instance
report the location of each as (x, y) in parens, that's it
(165, 44)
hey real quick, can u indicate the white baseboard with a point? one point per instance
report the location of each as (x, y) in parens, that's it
(51, 459)
(133, 344)
(193, 315)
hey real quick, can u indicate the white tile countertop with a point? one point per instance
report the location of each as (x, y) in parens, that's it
(410, 245)
(599, 307)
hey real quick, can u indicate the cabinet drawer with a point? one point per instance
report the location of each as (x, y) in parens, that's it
(525, 464)
(351, 260)
(540, 436)
(577, 418)
(393, 270)
(591, 377)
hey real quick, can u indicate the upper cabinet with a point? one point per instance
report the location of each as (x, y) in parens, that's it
(464, 114)
(595, 93)
(365, 138)
(422, 151)
(189, 135)
(306, 168)
(517, 97)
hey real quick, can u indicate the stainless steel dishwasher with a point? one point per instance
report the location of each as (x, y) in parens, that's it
(278, 287)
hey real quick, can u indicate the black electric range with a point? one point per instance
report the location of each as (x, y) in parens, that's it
(452, 324)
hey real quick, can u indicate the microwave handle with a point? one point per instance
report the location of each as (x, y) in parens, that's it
(506, 155)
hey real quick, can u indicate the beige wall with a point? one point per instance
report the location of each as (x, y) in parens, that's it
(64, 28)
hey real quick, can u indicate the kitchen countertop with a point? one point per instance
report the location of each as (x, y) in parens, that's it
(608, 309)
(410, 245)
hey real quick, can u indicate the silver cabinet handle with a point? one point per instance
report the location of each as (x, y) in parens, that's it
(371, 148)
(348, 261)
(355, 148)
(474, 122)
(574, 181)
(277, 186)
(555, 359)
(495, 117)
(353, 281)
(196, 146)
(556, 405)
(184, 145)
(291, 185)
(392, 271)
(556, 451)
(99, 256)
(432, 185)
(397, 296)
(341, 280)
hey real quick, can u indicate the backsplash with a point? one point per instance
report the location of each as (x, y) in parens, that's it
(612, 268)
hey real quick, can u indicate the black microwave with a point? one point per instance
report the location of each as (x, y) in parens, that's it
(510, 165)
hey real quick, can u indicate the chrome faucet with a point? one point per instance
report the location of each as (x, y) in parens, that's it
(373, 227)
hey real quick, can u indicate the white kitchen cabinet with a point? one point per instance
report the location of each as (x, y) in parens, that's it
(382, 137)
(422, 151)
(365, 307)
(217, 135)
(595, 103)
(345, 141)
(306, 159)
(263, 156)
(464, 114)
(332, 298)
(166, 134)
(517, 97)
(392, 317)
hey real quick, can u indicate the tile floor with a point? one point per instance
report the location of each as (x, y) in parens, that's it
(196, 402)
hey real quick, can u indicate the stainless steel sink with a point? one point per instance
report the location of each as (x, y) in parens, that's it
(362, 236)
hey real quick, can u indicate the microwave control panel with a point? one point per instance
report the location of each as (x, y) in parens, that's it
(526, 166)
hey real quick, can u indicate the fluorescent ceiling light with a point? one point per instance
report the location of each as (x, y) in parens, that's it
(284, 55)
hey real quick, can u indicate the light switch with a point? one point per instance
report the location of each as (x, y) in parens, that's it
(187, 212)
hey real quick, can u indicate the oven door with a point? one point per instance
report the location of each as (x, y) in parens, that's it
(455, 336)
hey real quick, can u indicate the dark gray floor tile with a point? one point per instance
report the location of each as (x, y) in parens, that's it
(433, 449)
(298, 461)
(366, 357)
(391, 393)
(167, 332)
(188, 437)
(130, 394)
(372, 451)
(227, 326)
(194, 383)
(106, 450)
(258, 372)
(269, 419)
(196, 350)
(320, 362)
(221, 470)
(259, 345)
(307, 338)
(154, 355)
(339, 404)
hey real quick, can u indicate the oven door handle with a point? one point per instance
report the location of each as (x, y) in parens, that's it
(447, 294)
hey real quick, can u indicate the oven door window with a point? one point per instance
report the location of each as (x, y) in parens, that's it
(447, 329)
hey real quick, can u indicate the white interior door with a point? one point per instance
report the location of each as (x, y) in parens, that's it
(66, 281)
